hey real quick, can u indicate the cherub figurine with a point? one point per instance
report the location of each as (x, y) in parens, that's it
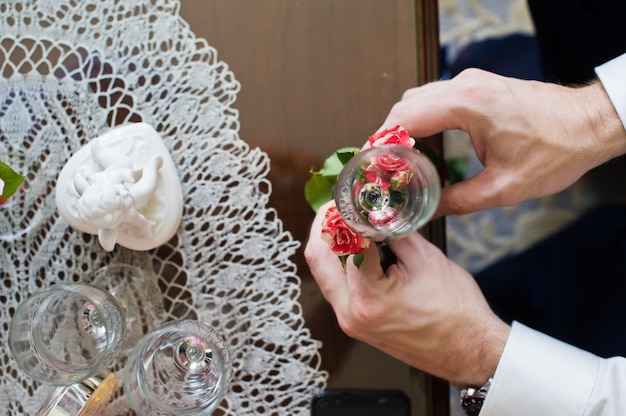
(117, 197)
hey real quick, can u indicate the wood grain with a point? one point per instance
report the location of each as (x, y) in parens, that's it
(317, 75)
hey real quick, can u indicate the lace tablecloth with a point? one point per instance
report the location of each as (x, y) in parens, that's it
(71, 70)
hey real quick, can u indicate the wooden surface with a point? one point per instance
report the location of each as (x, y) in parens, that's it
(317, 75)
(429, 69)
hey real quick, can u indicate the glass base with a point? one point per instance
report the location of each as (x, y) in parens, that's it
(387, 192)
(138, 294)
(196, 362)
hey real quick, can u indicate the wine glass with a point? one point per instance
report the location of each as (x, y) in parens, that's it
(225, 317)
(386, 192)
(66, 333)
(182, 368)
(138, 295)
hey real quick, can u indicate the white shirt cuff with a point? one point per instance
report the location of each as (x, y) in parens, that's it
(539, 375)
(612, 74)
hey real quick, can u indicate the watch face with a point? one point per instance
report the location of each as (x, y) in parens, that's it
(472, 405)
(472, 399)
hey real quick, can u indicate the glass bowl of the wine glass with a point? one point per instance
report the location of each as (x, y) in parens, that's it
(137, 291)
(229, 317)
(386, 192)
(25, 210)
(181, 368)
(66, 333)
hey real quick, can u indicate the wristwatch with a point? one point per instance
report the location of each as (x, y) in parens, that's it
(472, 399)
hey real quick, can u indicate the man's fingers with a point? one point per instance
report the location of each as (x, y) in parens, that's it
(429, 109)
(368, 273)
(484, 191)
(407, 248)
(324, 264)
(421, 122)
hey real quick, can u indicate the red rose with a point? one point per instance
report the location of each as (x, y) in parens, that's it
(395, 135)
(375, 173)
(342, 239)
(391, 162)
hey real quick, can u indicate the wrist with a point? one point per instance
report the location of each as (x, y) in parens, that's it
(482, 358)
(603, 122)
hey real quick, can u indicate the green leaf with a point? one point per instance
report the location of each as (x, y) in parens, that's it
(11, 179)
(344, 155)
(318, 190)
(334, 163)
(396, 197)
(357, 260)
(456, 171)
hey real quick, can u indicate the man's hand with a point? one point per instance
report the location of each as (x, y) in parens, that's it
(426, 310)
(534, 139)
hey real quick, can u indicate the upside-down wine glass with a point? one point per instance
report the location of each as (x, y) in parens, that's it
(139, 296)
(182, 368)
(386, 192)
(66, 333)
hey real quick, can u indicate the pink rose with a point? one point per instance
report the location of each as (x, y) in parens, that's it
(391, 162)
(342, 239)
(375, 173)
(400, 179)
(395, 135)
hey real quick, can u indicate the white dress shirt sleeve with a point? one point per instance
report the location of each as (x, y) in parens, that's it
(539, 375)
(612, 74)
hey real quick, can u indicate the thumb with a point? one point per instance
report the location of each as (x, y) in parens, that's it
(483, 191)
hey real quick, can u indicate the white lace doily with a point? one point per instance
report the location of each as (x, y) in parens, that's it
(70, 70)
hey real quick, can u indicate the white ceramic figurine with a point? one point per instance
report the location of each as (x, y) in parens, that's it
(122, 186)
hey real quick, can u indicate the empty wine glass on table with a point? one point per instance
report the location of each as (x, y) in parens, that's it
(66, 333)
(386, 192)
(138, 295)
(182, 368)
